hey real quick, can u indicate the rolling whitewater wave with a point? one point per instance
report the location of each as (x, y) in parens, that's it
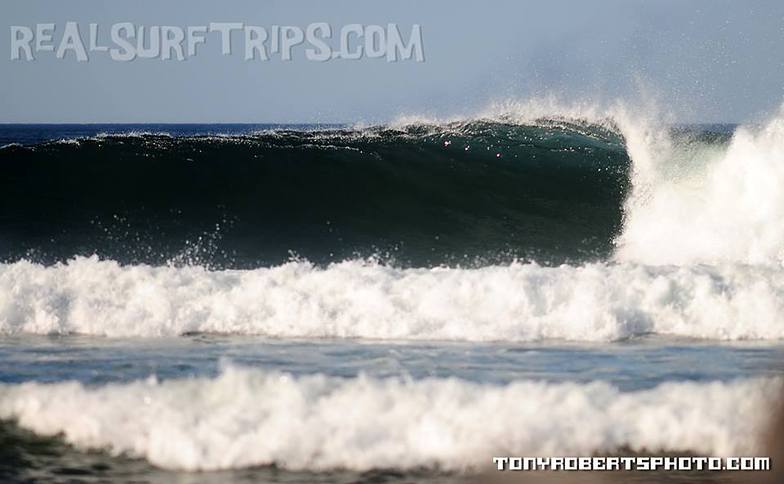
(518, 225)
(357, 299)
(226, 422)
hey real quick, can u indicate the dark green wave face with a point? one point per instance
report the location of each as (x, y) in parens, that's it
(479, 192)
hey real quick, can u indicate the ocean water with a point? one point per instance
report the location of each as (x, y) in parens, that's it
(396, 303)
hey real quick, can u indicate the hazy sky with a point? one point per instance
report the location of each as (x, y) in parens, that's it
(705, 60)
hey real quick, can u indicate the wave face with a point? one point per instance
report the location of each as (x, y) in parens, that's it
(226, 422)
(355, 299)
(421, 194)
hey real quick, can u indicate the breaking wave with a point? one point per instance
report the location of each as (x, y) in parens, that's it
(357, 299)
(245, 418)
(528, 222)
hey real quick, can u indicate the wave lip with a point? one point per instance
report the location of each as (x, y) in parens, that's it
(248, 418)
(359, 299)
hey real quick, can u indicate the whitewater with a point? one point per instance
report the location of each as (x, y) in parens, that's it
(229, 421)
(356, 299)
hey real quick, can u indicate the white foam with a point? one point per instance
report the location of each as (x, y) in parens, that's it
(249, 418)
(710, 204)
(131, 134)
(357, 299)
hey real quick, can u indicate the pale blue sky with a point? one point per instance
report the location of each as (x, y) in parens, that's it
(706, 60)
